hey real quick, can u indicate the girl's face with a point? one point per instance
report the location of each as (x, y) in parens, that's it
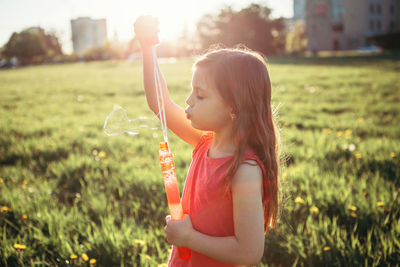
(207, 111)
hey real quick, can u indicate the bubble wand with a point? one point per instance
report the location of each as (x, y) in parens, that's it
(167, 161)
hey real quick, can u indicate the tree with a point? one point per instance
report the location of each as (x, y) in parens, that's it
(251, 26)
(296, 40)
(32, 45)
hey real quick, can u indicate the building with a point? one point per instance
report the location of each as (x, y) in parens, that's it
(349, 24)
(299, 9)
(88, 33)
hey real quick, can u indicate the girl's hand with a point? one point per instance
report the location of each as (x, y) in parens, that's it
(146, 30)
(178, 232)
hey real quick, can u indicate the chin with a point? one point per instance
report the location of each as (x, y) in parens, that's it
(196, 126)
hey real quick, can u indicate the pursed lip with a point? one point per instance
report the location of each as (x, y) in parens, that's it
(188, 116)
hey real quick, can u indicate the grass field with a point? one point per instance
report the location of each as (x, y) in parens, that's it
(67, 190)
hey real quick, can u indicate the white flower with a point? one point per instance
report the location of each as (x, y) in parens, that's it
(352, 147)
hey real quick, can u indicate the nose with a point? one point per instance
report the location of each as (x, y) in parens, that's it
(189, 100)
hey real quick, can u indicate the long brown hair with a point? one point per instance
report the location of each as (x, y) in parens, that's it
(241, 78)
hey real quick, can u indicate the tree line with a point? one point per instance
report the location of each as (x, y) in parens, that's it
(251, 26)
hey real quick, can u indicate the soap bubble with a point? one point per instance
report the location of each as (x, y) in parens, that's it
(118, 123)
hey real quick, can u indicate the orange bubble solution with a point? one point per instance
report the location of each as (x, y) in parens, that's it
(172, 190)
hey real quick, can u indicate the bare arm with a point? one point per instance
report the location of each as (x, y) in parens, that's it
(175, 115)
(246, 247)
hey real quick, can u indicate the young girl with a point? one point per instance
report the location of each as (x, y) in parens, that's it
(230, 198)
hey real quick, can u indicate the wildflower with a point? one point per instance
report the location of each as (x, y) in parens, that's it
(102, 154)
(352, 208)
(348, 131)
(19, 247)
(393, 155)
(358, 155)
(314, 210)
(73, 257)
(326, 130)
(294, 126)
(360, 120)
(162, 265)
(352, 147)
(24, 217)
(339, 133)
(84, 257)
(5, 209)
(380, 204)
(92, 261)
(24, 183)
(1, 180)
(299, 200)
(327, 248)
(147, 257)
(139, 242)
(353, 214)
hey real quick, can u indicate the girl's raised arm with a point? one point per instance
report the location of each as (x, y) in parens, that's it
(146, 32)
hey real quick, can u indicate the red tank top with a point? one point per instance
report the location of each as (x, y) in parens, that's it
(207, 199)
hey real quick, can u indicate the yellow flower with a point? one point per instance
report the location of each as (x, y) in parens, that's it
(24, 217)
(73, 257)
(92, 261)
(327, 248)
(24, 183)
(352, 208)
(393, 155)
(348, 131)
(294, 126)
(139, 242)
(380, 204)
(19, 247)
(102, 154)
(147, 257)
(326, 130)
(358, 155)
(5, 209)
(353, 214)
(360, 120)
(84, 257)
(339, 133)
(1, 180)
(299, 200)
(314, 210)
(162, 265)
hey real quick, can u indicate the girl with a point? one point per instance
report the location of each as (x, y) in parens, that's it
(230, 198)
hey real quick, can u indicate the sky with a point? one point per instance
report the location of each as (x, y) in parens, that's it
(55, 15)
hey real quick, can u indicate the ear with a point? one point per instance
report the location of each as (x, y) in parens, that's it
(233, 115)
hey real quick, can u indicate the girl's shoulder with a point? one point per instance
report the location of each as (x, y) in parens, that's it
(251, 158)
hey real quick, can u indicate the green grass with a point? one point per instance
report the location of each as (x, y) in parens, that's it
(85, 192)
